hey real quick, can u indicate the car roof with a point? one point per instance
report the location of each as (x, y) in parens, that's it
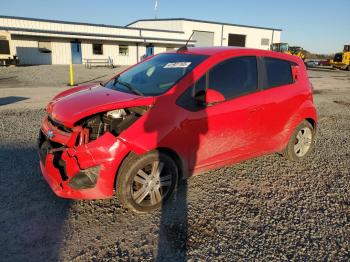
(210, 50)
(217, 50)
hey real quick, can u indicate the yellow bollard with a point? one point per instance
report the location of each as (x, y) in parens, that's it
(71, 75)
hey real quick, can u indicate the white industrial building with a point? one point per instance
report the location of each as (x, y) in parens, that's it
(40, 41)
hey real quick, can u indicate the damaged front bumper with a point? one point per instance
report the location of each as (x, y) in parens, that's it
(76, 168)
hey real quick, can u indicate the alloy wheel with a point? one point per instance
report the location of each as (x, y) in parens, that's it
(151, 184)
(303, 141)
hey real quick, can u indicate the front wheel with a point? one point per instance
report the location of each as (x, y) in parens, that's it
(143, 183)
(301, 142)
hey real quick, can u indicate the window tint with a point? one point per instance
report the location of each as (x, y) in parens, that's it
(234, 77)
(158, 74)
(278, 72)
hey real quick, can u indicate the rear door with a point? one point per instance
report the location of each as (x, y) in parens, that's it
(281, 97)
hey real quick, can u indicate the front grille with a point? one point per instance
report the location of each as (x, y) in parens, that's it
(58, 125)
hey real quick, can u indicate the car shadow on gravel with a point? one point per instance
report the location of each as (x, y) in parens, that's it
(173, 227)
(32, 217)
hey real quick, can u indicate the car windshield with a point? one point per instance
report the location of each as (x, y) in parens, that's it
(156, 75)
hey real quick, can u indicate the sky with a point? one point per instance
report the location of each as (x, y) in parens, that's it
(319, 26)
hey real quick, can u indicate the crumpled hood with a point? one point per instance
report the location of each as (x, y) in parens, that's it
(74, 104)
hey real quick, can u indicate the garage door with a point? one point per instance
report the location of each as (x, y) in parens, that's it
(203, 38)
(236, 40)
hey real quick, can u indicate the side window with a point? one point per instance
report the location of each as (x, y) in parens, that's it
(235, 77)
(278, 72)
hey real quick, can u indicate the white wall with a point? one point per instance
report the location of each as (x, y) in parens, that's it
(174, 25)
(66, 27)
(71, 28)
(253, 35)
(159, 49)
(25, 43)
(27, 50)
(61, 52)
(110, 49)
(277, 36)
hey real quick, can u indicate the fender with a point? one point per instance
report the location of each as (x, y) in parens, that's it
(305, 111)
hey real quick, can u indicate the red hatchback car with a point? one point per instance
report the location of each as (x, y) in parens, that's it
(171, 116)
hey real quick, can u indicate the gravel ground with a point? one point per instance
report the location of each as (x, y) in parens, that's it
(262, 209)
(52, 75)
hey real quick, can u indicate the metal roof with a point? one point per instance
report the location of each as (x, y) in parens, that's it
(88, 24)
(204, 21)
(143, 38)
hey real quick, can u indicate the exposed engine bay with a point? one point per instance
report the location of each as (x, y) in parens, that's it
(115, 121)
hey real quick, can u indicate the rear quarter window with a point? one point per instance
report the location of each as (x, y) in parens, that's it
(278, 72)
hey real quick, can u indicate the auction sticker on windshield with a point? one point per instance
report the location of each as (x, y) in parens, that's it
(177, 65)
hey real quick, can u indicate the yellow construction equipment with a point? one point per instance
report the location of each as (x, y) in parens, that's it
(285, 48)
(342, 60)
(298, 51)
(7, 54)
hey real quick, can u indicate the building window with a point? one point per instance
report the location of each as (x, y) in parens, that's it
(97, 49)
(4, 47)
(123, 50)
(44, 47)
(265, 41)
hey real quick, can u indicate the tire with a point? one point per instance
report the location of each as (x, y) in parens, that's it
(301, 143)
(140, 186)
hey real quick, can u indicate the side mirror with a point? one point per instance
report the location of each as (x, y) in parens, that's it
(212, 97)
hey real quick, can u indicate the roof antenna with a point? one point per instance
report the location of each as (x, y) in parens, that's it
(156, 9)
(184, 48)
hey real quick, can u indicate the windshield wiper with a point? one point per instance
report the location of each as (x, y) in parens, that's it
(135, 91)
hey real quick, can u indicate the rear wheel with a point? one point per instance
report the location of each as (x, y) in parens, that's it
(145, 182)
(301, 142)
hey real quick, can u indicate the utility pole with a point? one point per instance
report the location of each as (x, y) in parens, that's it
(156, 9)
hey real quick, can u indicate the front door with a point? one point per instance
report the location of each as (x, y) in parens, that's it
(229, 129)
(76, 52)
